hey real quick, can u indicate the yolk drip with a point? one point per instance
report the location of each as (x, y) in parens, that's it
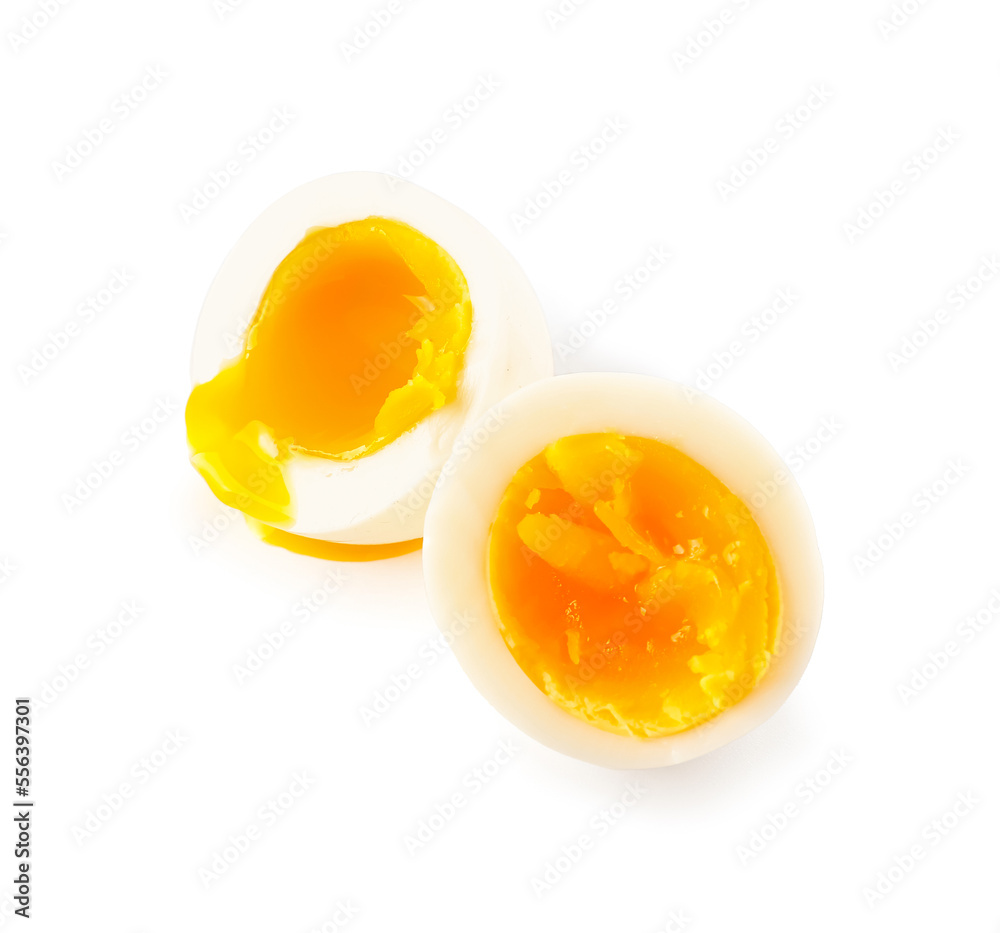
(359, 335)
(631, 585)
(330, 550)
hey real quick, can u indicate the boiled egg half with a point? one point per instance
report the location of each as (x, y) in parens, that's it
(356, 329)
(625, 567)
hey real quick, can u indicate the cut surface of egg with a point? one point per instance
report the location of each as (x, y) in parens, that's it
(355, 329)
(613, 583)
(630, 585)
(359, 335)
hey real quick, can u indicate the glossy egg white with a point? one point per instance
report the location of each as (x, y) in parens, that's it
(381, 498)
(465, 502)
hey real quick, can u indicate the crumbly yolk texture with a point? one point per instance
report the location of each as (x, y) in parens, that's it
(630, 585)
(359, 335)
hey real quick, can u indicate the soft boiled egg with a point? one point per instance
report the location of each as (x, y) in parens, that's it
(625, 568)
(356, 329)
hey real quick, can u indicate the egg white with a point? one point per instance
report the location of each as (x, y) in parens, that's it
(465, 502)
(381, 498)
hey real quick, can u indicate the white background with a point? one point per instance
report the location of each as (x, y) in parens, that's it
(687, 125)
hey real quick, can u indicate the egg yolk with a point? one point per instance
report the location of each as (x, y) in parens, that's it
(630, 585)
(359, 335)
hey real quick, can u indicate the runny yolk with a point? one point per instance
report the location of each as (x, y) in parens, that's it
(359, 335)
(330, 550)
(631, 585)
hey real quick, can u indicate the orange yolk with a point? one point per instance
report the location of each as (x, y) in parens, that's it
(630, 585)
(359, 335)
